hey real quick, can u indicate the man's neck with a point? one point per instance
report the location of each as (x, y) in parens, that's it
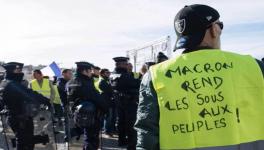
(65, 79)
(40, 80)
(196, 49)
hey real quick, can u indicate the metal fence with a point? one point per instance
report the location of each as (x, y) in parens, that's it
(148, 52)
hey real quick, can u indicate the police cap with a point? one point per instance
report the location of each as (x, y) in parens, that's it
(83, 64)
(121, 59)
(12, 66)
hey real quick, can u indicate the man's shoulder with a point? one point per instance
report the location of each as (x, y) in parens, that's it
(4, 83)
(61, 81)
(102, 81)
(261, 65)
(34, 80)
(115, 75)
(74, 82)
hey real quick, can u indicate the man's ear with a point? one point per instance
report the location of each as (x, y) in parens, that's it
(213, 31)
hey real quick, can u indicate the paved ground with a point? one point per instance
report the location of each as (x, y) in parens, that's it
(46, 127)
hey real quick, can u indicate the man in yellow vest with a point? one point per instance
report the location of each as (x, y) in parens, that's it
(205, 99)
(106, 91)
(42, 85)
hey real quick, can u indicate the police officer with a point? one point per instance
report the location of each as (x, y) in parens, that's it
(80, 90)
(22, 105)
(177, 109)
(126, 92)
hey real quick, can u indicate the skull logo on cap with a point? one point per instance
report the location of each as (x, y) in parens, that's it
(180, 25)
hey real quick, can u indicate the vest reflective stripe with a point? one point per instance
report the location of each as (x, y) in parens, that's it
(209, 98)
(57, 99)
(96, 84)
(44, 90)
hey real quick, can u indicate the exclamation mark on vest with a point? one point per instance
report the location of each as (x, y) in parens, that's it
(237, 113)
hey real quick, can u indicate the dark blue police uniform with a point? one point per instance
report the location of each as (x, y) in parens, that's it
(19, 101)
(80, 89)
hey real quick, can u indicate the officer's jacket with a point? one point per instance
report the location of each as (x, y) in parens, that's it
(147, 124)
(124, 82)
(15, 96)
(81, 88)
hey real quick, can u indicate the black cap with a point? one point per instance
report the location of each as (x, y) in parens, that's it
(83, 64)
(12, 66)
(190, 25)
(121, 59)
(161, 57)
(148, 64)
(262, 59)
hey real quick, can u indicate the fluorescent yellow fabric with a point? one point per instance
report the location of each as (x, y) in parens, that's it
(57, 99)
(136, 75)
(96, 84)
(209, 98)
(44, 90)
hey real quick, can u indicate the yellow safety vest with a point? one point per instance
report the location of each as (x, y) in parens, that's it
(96, 84)
(136, 75)
(209, 98)
(57, 99)
(44, 90)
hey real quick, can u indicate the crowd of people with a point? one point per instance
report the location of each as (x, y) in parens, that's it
(182, 103)
(96, 99)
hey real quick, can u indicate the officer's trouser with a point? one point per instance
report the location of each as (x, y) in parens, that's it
(131, 132)
(23, 129)
(110, 121)
(127, 112)
(122, 124)
(91, 137)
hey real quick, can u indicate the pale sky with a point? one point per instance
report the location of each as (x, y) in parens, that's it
(41, 31)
